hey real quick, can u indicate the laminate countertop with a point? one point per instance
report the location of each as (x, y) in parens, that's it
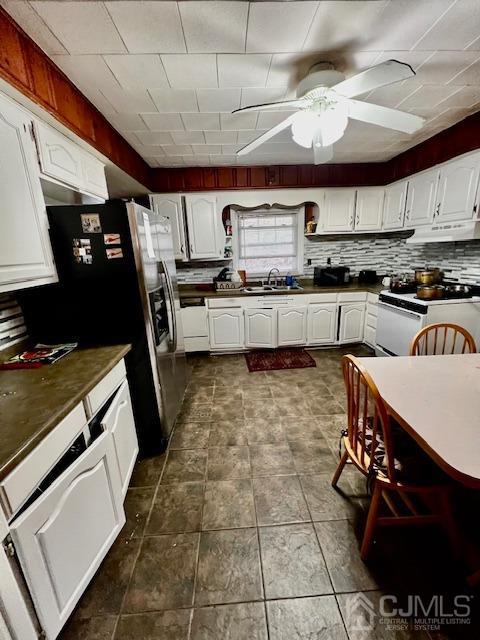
(192, 291)
(34, 401)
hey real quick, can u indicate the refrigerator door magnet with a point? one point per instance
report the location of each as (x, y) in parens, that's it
(114, 253)
(91, 223)
(111, 238)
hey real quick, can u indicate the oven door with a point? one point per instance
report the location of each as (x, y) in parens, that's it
(396, 328)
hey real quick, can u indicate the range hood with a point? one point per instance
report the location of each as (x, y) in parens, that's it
(447, 232)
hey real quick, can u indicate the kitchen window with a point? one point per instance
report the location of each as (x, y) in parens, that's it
(264, 239)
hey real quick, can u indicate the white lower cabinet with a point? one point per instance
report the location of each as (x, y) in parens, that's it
(119, 421)
(322, 323)
(62, 538)
(351, 322)
(260, 328)
(226, 328)
(370, 329)
(291, 326)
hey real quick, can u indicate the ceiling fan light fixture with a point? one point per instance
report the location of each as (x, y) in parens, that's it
(303, 128)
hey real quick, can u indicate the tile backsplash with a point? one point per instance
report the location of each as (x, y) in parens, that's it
(385, 253)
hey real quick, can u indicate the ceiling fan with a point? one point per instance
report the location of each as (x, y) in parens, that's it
(325, 103)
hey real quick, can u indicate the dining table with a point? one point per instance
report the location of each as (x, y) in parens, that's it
(436, 399)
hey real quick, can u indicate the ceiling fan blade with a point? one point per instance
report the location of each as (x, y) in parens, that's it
(378, 76)
(384, 116)
(322, 154)
(294, 104)
(267, 135)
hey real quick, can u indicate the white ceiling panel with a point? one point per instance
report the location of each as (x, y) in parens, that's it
(214, 26)
(216, 100)
(243, 70)
(128, 101)
(246, 136)
(191, 71)
(219, 161)
(457, 29)
(221, 137)
(178, 150)
(82, 27)
(87, 71)
(188, 137)
(268, 119)
(276, 26)
(207, 149)
(138, 71)
(469, 76)
(230, 149)
(238, 121)
(174, 100)
(148, 27)
(443, 66)
(464, 97)
(201, 121)
(251, 96)
(128, 122)
(97, 98)
(163, 121)
(33, 25)
(427, 96)
(153, 138)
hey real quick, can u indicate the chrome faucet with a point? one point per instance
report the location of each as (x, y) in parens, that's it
(270, 275)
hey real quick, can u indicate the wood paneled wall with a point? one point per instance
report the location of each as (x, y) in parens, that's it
(24, 65)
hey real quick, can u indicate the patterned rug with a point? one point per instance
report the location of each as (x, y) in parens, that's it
(279, 359)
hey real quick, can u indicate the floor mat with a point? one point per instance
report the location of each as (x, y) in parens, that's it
(279, 359)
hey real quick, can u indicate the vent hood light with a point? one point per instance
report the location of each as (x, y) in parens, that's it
(447, 232)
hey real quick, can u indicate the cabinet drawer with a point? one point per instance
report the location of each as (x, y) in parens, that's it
(21, 482)
(223, 303)
(104, 389)
(372, 309)
(320, 298)
(352, 296)
(370, 336)
(200, 343)
(372, 298)
(371, 321)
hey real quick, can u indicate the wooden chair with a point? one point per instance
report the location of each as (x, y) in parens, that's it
(442, 339)
(371, 443)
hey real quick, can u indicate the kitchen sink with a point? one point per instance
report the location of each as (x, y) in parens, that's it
(268, 288)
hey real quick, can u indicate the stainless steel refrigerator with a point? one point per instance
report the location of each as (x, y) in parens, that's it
(117, 284)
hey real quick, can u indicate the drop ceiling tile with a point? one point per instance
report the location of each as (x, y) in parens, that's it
(174, 161)
(97, 98)
(200, 161)
(82, 27)
(207, 149)
(214, 26)
(33, 25)
(150, 150)
(247, 136)
(152, 162)
(243, 70)
(221, 137)
(443, 66)
(188, 137)
(464, 97)
(178, 150)
(201, 121)
(138, 72)
(251, 96)
(413, 58)
(238, 121)
(269, 119)
(174, 100)
(392, 94)
(469, 76)
(127, 122)
(149, 138)
(163, 121)
(343, 25)
(216, 100)
(284, 148)
(427, 95)
(277, 26)
(191, 71)
(223, 160)
(230, 149)
(87, 72)
(148, 27)
(128, 101)
(458, 28)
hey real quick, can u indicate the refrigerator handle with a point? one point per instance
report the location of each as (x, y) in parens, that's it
(172, 303)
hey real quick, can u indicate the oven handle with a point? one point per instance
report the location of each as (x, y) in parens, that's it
(392, 307)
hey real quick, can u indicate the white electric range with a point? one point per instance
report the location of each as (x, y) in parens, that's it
(402, 315)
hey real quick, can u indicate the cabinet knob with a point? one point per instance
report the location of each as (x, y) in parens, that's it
(437, 210)
(407, 214)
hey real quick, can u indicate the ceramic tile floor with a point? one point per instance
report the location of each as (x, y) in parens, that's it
(236, 534)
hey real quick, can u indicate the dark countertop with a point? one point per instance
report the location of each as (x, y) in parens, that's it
(191, 290)
(34, 401)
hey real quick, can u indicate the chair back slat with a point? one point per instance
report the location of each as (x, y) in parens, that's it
(442, 339)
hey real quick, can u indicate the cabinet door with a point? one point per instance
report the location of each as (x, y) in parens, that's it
(60, 158)
(25, 250)
(292, 326)
(62, 538)
(457, 189)
(322, 323)
(338, 210)
(394, 209)
(351, 322)
(203, 227)
(421, 195)
(94, 180)
(369, 209)
(226, 328)
(119, 421)
(260, 328)
(170, 205)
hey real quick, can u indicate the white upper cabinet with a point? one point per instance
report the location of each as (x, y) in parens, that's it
(292, 326)
(369, 209)
(394, 207)
(25, 250)
(204, 223)
(322, 323)
(170, 205)
(457, 189)
(94, 180)
(336, 213)
(422, 190)
(260, 328)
